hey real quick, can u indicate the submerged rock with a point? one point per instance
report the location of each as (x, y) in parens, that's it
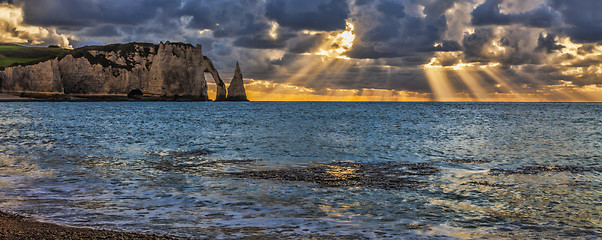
(384, 175)
(543, 169)
(236, 90)
(465, 160)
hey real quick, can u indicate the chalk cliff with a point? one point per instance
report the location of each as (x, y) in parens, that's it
(164, 70)
(236, 90)
(42, 77)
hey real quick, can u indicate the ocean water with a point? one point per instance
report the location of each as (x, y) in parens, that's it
(307, 169)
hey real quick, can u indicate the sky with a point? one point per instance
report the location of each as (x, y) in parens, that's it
(351, 50)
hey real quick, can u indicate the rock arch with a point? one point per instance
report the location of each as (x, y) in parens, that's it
(208, 67)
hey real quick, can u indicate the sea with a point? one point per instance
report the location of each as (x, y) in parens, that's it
(319, 170)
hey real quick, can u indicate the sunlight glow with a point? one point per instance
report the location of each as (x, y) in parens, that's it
(472, 81)
(468, 74)
(503, 82)
(273, 29)
(257, 89)
(338, 44)
(205, 32)
(439, 82)
(14, 30)
(449, 78)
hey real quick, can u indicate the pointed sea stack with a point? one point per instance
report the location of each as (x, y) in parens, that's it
(236, 90)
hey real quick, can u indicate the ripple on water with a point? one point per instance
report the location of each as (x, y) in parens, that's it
(411, 170)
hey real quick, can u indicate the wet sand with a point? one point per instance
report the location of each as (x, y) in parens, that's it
(13, 226)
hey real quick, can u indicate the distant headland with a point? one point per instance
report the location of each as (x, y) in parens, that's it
(115, 72)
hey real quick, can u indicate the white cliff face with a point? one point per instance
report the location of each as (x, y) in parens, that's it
(42, 77)
(236, 90)
(176, 70)
(170, 69)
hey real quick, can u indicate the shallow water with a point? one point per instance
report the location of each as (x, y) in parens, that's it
(199, 169)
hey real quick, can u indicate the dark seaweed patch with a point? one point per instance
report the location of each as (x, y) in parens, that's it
(542, 169)
(486, 183)
(465, 160)
(384, 175)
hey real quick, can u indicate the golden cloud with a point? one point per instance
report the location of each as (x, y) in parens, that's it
(13, 30)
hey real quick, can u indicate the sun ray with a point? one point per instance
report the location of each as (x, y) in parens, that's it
(472, 80)
(440, 85)
(498, 77)
(549, 94)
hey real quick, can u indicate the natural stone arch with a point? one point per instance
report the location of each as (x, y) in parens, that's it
(208, 67)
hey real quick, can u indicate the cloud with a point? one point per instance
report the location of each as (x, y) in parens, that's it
(320, 15)
(78, 13)
(13, 30)
(387, 29)
(489, 13)
(102, 31)
(583, 18)
(548, 43)
(391, 8)
(447, 46)
(305, 43)
(535, 43)
(437, 7)
(475, 43)
(260, 42)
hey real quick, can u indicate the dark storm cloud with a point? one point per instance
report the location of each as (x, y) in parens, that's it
(394, 38)
(475, 43)
(447, 46)
(102, 31)
(397, 34)
(368, 51)
(548, 43)
(304, 43)
(260, 42)
(584, 18)
(90, 12)
(437, 7)
(228, 18)
(320, 15)
(391, 8)
(362, 2)
(478, 47)
(489, 13)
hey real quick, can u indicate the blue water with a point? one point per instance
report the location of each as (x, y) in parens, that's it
(162, 168)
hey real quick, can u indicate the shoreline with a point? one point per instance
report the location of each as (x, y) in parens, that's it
(15, 226)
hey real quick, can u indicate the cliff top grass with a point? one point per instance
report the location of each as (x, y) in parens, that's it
(11, 54)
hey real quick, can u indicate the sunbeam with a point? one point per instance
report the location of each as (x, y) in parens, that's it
(439, 82)
(471, 79)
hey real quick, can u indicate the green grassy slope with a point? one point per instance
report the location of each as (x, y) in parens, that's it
(13, 54)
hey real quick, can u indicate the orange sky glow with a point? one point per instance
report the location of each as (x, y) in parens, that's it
(473, 88)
